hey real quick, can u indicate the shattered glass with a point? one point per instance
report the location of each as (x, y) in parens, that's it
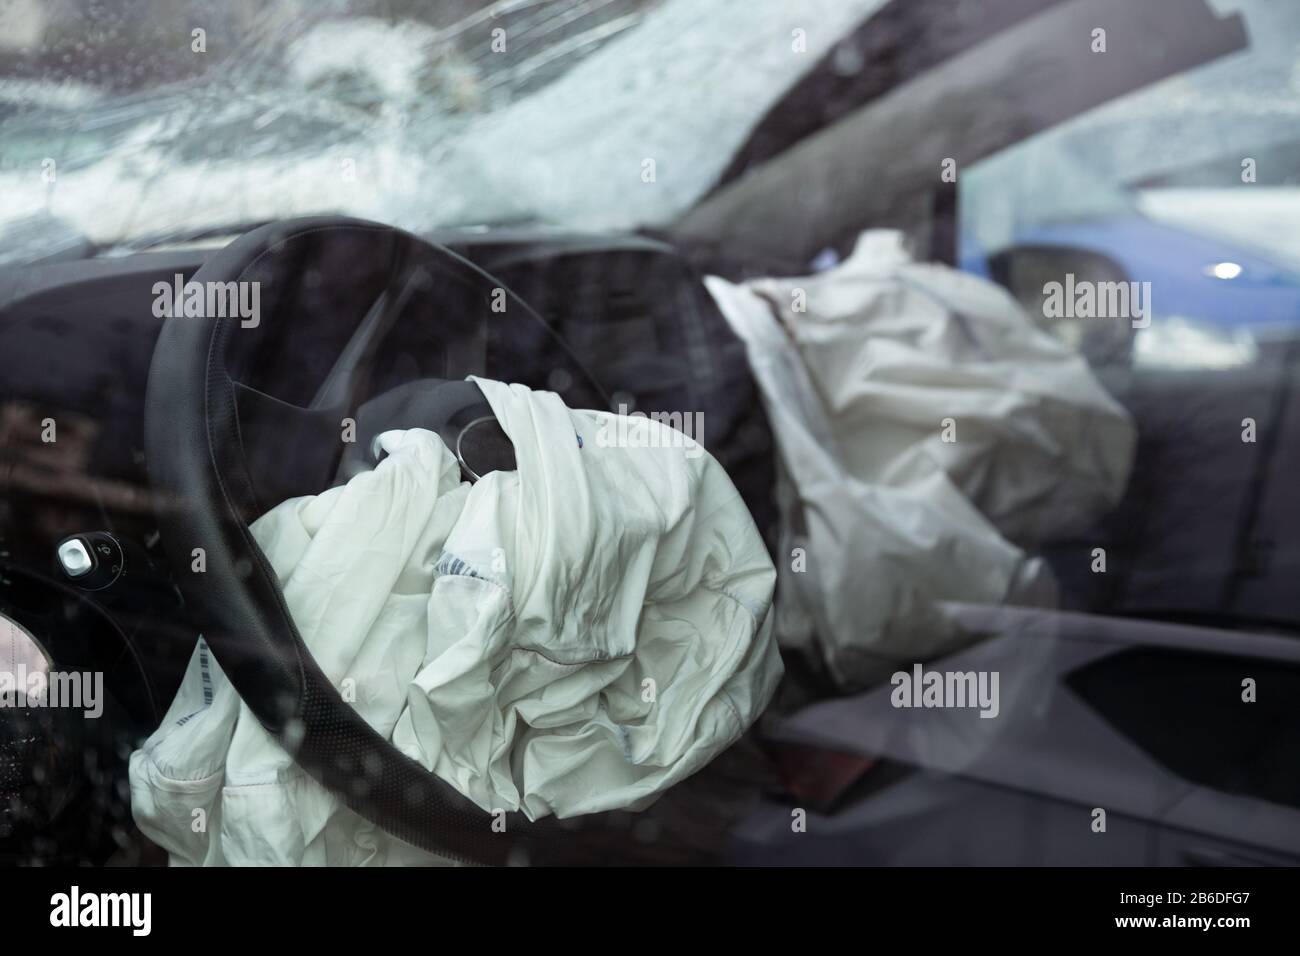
(387, 111)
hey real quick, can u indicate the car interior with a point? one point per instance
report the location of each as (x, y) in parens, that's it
(174, 433)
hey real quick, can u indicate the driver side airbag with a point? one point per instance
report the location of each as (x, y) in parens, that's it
(571, 637)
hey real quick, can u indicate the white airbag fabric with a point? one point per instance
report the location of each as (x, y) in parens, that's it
(571, 637)
(928, 432)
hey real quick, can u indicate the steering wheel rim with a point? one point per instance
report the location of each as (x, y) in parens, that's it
(207, 495)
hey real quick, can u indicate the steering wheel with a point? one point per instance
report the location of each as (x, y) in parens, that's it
(222, 451)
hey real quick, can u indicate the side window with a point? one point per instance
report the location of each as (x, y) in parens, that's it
(1162, 229)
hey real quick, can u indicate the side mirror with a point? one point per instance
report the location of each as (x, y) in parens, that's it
(1044, 278)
